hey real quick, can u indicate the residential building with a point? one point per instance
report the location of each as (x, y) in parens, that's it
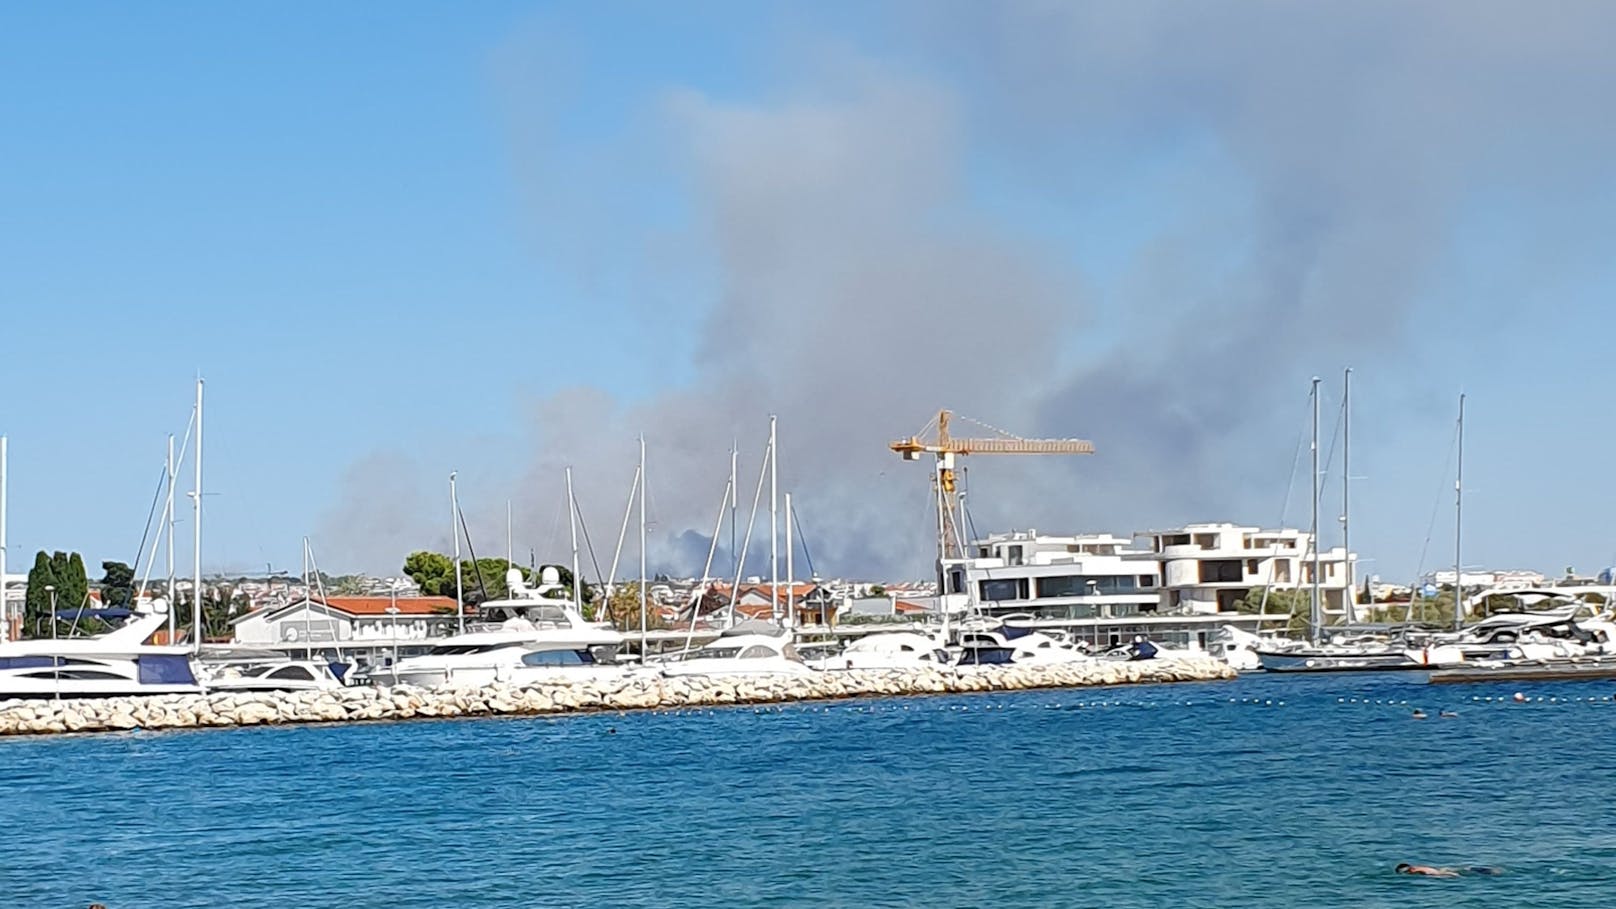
(1208, 568)
(1104, 590)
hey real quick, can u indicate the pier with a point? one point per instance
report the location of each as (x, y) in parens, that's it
(632, 691)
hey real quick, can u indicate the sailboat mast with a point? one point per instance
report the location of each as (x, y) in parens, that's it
(308, 601)
(774, 527)
(572, 523)
(643, 628)
(454, 530)
(168, 521)
(1315, 615)
(734, 504)
(196, 531)
(791, 574)
(1458, 526)
(1349, 595)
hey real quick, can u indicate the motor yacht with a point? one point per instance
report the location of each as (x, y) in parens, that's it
(988, 642)
(534, 634)
(247, 670)
(888, 650)
(116, 663)
(749, 648)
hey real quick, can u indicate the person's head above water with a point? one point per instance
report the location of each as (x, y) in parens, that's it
(1403, 868)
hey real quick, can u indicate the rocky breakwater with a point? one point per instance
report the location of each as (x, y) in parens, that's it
(631, 691)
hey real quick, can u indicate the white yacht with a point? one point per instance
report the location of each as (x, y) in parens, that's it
(987, 642)
(749, 648)
(245, 670)
(888, 650)
(116, 663)
(534, 634)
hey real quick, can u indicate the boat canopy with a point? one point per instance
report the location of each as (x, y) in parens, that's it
(101, 612)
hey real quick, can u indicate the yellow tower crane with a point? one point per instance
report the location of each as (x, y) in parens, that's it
(950, 539)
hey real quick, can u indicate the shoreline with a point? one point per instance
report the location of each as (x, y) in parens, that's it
(225, 710)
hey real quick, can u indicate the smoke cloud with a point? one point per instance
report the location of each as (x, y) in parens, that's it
(1311, 163)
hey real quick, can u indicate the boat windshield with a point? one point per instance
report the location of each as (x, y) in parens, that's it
(558, 658)
(717, 653)
(986, 656)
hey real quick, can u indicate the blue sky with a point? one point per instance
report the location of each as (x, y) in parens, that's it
(399, 240)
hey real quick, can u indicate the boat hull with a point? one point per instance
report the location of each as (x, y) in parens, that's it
(1315, 661)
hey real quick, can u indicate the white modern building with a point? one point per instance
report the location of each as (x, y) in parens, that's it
(1097, 588)
(1208, 568)
(1180, 588)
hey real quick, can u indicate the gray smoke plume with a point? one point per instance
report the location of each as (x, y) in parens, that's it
(857, 283)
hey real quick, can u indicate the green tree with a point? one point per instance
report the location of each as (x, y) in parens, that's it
(37, 601)
(65, 573)
(1297, 604)
(117, 584)
(878, 590)
(624, 606)
(348, 585)
(433, 572)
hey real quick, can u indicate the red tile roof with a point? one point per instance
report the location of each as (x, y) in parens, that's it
(378, 605)
(908, 608)
(801, 591)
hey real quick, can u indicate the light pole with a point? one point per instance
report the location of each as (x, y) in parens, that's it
(56, 660)
(392, 610)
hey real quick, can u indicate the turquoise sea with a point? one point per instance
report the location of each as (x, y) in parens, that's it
(1267, 792)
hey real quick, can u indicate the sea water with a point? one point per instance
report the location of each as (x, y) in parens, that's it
(1266, 792)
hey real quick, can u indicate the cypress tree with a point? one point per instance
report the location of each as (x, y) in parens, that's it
(36, 608)
(75, 582)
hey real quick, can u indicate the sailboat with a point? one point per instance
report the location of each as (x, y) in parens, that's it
(1363, 654)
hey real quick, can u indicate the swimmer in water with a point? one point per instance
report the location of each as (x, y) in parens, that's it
(1448, 714)
(1425, 870)
(1419, 714)
(1429, 871)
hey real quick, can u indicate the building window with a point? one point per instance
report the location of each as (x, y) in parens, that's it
(993, 591)
(1221, 571)
(1015, 555)
(1076, 585)
(1253, 566)
(1147, 580)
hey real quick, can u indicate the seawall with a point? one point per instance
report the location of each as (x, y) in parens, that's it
(629, 692)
